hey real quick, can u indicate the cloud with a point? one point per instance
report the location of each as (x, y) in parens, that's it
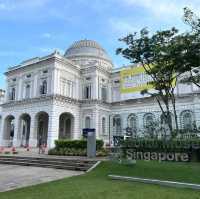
(21, 4)
(122, 26)
(50, 50)
(2, 6)
(46, 35)
(164, 8)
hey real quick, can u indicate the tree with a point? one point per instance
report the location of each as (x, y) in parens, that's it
(192, 55)
(160, 55)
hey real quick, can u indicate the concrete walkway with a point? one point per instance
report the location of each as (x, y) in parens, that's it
(12, 176)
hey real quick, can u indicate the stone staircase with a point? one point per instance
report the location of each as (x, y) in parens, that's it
(48, 162)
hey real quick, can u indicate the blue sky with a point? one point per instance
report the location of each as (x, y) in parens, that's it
(30, 28)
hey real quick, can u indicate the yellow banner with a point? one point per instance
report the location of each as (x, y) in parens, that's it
(134, 80)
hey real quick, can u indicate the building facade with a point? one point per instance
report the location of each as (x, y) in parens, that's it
(56, 96)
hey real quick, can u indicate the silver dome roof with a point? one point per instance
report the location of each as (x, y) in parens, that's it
(86, 48)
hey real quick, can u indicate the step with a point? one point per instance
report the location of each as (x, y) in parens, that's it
(58, 163)
(56, 166)
(49, 161)
(45, 163)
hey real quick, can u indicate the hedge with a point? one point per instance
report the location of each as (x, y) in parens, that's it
(162, 145)
(76, 144)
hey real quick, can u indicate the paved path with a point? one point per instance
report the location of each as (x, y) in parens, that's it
(12, 176)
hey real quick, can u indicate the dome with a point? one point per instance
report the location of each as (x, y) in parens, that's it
(86, 48)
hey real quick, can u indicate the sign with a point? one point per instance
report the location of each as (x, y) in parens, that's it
(159, 156)
(86, 131)
(91, 143)
(134, 80)
(117, 139)
(129, 131)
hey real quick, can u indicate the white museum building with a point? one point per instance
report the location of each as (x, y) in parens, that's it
(56, 96)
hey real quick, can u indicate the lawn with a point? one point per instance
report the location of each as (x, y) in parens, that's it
(96, 185)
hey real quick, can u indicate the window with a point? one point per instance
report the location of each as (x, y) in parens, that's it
(87, 122)
(148, 120)
(67, 88)
(43, 87)
(27, 91)
(103, 125)
(28, 76)
(117, 125)
(132, 122)
(12, 94)
(87, 92)
(104, 93)
(45, 71)
(187, 120)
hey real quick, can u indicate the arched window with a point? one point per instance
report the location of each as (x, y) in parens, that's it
(187, 120)
(132, 122)
(103, 125)
(28, 91)
(87, 122)
(12, 94)
(148, 120)
(43, 88)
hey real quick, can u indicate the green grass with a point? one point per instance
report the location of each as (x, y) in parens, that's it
(96, 185)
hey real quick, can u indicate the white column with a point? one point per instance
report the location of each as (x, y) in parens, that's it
(95, 87)
(54, 81)
(20, 89)
(57, 80)
(33, 132)
(77, 131)
(16, 139)
(109, 91)
(53, 129)
(96, 123)
(35, 85)
(2, 131)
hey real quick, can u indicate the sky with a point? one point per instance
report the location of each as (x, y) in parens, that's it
(31, 28)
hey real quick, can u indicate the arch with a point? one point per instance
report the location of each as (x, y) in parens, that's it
(187, 120)
(9, 130)
(24, 128)
(117, 124)
(42, 121)
(87, 122)
(132, 122)
(66, 125)
(148, 119)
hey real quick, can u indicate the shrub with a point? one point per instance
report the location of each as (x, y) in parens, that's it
(76, 144)
(162, 145)
(75, 148)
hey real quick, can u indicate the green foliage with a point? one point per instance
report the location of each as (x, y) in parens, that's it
(75, 148)
(76, 144)
(165, 56)
(175, 145)
(191, 56)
